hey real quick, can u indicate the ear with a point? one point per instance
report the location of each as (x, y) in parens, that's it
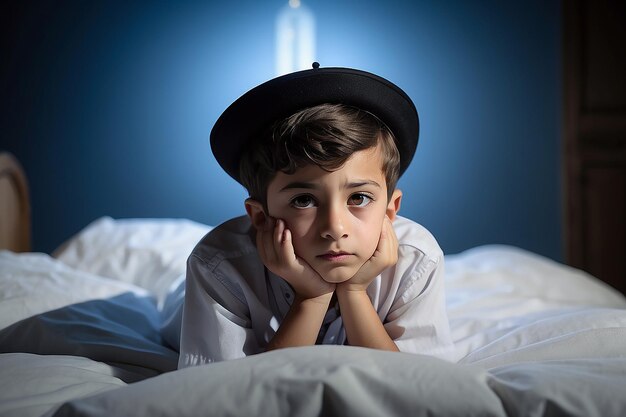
(255, 213)
(394, 204)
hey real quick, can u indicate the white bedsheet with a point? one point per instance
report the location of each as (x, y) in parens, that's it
(31, 385)
(504, 295)
(33, 283)
(533, 338)
(149, 253)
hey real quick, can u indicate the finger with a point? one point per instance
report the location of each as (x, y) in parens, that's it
(392, 240)
(287, 251)
(278, 233)
(268, 240)
(260, 244)
(284, 250)
(384, 237)
(387, 243)
(391, 233)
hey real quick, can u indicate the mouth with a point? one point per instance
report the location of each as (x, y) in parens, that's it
(335, 256)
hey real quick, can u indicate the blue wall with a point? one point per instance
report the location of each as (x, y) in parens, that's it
(109, 107)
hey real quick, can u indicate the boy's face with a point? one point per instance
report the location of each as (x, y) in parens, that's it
(335, 218)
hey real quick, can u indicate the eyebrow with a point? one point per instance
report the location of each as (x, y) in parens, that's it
(313, 186)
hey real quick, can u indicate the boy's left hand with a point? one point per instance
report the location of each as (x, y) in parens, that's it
(385, 255)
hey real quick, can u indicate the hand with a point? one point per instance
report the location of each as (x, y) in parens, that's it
(385, 255)
(277, 253)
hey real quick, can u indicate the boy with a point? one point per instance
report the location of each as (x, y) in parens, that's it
(321, 257)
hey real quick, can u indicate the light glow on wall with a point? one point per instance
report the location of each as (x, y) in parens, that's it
(295, 38)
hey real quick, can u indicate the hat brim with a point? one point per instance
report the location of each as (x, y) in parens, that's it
(251, 114)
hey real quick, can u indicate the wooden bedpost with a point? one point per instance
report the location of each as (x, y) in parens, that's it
(14, 205)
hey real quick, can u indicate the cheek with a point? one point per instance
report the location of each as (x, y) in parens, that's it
(370, 242)
(301, 230)
(369, 235)
(298, 223)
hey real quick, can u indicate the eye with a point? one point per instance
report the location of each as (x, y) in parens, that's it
(359, 200)
(302, 202)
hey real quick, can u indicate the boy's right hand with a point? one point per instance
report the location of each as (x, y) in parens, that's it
(277, 254)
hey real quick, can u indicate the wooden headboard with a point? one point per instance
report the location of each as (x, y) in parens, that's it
(14, 205)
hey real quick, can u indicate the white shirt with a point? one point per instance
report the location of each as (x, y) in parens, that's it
(233, 305)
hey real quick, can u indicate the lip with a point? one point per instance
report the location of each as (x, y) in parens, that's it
(335, 256)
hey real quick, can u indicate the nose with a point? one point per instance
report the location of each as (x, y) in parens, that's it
(333, 223)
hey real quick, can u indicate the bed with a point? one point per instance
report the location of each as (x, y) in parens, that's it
(81, 335)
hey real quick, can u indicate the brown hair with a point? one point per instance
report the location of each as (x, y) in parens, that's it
(325, 135)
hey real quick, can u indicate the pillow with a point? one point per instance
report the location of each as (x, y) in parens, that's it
(32, 283)
(516, 281)
(149, 253)
(122, 331)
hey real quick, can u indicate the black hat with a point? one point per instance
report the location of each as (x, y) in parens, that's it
(251, 114)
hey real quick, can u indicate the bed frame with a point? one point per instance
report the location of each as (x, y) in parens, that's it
(14, 205)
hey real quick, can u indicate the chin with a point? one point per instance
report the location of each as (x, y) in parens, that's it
(337, 275)
(336, 280)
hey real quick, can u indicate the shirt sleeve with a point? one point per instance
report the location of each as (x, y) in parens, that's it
(216, 322)
(417, 320)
